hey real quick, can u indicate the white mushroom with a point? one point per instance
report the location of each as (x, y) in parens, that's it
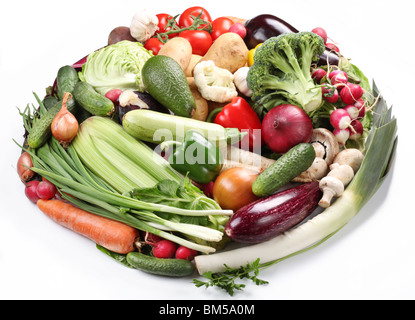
(352, 157)
(325, 144)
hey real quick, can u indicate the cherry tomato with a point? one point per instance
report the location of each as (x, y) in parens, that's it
(164, 18)
(153, 44)
(200, 40)
(220, 26)
(233, 188)
(186, 20)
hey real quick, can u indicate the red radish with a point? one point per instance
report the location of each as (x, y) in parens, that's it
(342, 135)
(333, 47)
(356, 130)
(330, 94)
(30, 190)
(151, 238)
(185, 253)
(340, 119)
(164, 249)
(318, 75)
(285, 126)
(113, 95)
(361, 106)
(351, 93)
(321, 32)
(352, 110)
(338, 77)
(238, 28)
(46, 190)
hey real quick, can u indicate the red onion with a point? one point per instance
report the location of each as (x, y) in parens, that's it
(285, 126)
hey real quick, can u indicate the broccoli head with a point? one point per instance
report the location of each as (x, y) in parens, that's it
(281, 72)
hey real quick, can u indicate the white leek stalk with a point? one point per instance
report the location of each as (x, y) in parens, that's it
(380, 146)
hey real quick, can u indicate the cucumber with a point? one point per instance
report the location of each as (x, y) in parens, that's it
(162, 267)
(66, 80)
(298, 159)
(49, 102)
(41, 131)
(166, 82)
(91, 100)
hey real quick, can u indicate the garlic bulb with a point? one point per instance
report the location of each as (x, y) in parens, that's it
(240, 81)
(144, 25)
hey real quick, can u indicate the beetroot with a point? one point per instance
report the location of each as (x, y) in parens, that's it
(268, 217)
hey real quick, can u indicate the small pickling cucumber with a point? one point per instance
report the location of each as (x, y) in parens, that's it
(162, 267)
(41, 131)
(66, 80)
(92, 101)
(297, 160)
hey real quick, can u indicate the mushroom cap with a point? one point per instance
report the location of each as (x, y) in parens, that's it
(324, 141)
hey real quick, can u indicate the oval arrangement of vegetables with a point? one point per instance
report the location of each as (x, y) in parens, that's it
(187, 133)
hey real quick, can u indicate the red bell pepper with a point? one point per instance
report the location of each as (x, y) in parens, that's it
(239, 114)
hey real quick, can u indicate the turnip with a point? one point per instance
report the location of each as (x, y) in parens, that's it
(342, 135)
(340, 119)
(352, 110)
(351, 93)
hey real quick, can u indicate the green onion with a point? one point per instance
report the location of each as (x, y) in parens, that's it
(380, 146)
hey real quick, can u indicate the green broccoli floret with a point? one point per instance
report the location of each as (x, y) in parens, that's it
(281, 72)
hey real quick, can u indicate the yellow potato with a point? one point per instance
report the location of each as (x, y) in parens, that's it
(229, 51)
(179, 49)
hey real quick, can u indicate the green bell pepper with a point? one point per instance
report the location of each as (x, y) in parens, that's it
(197, 157)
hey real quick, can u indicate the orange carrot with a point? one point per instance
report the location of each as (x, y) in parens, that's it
(110, 234)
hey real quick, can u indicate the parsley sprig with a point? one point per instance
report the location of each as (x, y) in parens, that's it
(226, 280)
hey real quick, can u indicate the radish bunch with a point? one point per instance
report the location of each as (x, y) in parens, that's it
(348, 102)
(166, 249)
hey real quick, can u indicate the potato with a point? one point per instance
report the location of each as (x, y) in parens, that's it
(202, 110)
(193, 61)
(179, 49)
(229, 51)
(119, 34)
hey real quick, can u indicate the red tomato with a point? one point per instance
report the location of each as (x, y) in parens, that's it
(233, 188)
(186, 20)
(153, 44)
(220, 26)
(200, 40)
(164, 18)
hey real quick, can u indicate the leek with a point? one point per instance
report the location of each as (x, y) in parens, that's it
(380, 146)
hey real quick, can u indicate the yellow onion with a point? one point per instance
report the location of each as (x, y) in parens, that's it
(65, 126)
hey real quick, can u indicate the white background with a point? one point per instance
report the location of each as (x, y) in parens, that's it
(371, 258)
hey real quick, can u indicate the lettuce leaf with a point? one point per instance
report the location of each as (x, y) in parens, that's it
(117, 66)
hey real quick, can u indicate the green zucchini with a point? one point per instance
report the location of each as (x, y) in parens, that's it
(162, 267)
(66, 80)
(291, 164)
(92, 101)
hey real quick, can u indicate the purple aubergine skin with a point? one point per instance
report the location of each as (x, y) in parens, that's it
(268, 217)
(265, 26)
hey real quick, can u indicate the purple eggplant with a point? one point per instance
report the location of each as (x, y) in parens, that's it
(268, 217)
(265, 26)
(130, 100)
